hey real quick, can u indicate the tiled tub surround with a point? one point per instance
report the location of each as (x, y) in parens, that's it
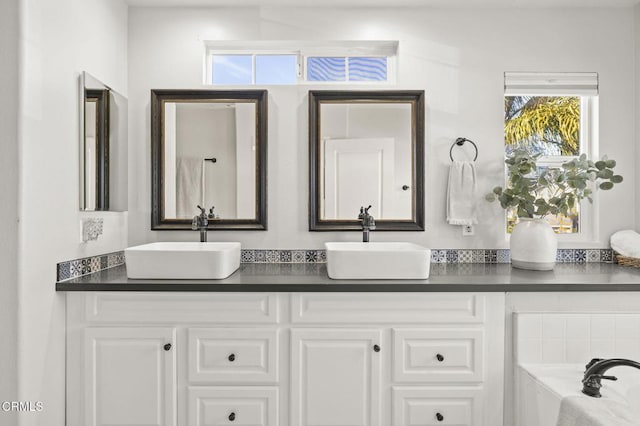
(561, 338)
(551, 350)
(78, 267)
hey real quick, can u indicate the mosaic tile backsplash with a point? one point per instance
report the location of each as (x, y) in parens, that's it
(88, 265)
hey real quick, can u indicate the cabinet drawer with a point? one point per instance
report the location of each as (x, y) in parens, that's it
(233, 355)
(233, 405)
(451, 406)
(367, 308)
(438, 355)
(175, 307)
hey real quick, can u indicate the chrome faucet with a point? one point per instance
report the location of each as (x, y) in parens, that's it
(367, 222)
(201, 223)
(595, 373)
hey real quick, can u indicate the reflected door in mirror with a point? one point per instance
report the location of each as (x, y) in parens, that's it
(366, 154)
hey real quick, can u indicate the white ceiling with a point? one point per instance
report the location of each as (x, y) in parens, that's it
(384, 3)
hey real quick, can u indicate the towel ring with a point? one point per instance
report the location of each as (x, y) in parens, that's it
(460, 142)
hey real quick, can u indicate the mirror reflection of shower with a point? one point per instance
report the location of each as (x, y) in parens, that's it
(193, 131)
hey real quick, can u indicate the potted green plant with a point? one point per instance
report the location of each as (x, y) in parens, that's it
(534, 194)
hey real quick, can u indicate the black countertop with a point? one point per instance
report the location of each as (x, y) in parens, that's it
(310, 277)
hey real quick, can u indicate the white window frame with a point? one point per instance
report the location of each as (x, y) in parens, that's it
(589, 229)
(303, 50)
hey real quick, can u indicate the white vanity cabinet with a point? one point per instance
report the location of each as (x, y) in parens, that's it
(284, 359)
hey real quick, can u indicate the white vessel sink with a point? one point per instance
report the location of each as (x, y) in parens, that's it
(371, 261)
(182, 260)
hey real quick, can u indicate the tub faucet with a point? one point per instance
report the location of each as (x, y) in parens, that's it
(595, 373)
(367, 222)
(201, 223)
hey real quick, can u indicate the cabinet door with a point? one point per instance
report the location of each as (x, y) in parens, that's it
(130, 376)
(335, 377)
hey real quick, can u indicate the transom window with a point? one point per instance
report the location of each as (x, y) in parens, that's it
(303, 62)
(553, 115)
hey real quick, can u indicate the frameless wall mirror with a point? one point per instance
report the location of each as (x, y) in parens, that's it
(366, 148)
(103, 147)
(209, 148)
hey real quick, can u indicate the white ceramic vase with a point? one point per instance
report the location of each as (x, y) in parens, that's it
(533, 245)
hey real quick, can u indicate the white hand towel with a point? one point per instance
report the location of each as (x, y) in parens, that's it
(189, 187)
(627, 243)
(461, 193)
(585, 411)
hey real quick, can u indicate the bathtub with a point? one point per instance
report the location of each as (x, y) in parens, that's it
(541, 388)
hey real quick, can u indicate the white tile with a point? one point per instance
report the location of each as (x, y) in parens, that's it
(603, 348)
(627, 348)
(578, 327)
(529, 326)
(578, 351)
(553, 326)
(627, 327)
(554, 351)
(529, 350)
(602, 326)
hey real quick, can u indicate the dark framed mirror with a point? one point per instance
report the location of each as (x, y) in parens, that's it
(209, 148)
(103, 147)
(366, 148)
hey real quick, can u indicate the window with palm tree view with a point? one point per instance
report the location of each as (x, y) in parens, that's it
(548, 126)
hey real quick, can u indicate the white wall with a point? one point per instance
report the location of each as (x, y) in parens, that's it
(637, 112)
(9, 65)
(457, 55)
(59, 39)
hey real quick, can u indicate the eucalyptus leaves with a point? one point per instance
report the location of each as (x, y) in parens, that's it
(553, 190)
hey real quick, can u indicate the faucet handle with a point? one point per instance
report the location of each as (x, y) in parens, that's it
(211, 215)
(202, 211)
(592, 362)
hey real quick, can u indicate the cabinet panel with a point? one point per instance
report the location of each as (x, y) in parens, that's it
(130, 376)
(137, 308)
(450, 406)
(367, 308)
(233, 405)
(437, 355)
(233, 355)
(335, 377)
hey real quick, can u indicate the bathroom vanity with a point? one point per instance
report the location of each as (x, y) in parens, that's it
(282, 344)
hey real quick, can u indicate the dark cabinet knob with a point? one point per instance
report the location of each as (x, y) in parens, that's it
(232, 357)
(167, 347)
(439, 357)
(376, 348)
(405, 187)
(232, 417)
(439, 417)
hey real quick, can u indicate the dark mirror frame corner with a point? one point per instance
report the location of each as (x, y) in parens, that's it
(158, 98)
(413, 97)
